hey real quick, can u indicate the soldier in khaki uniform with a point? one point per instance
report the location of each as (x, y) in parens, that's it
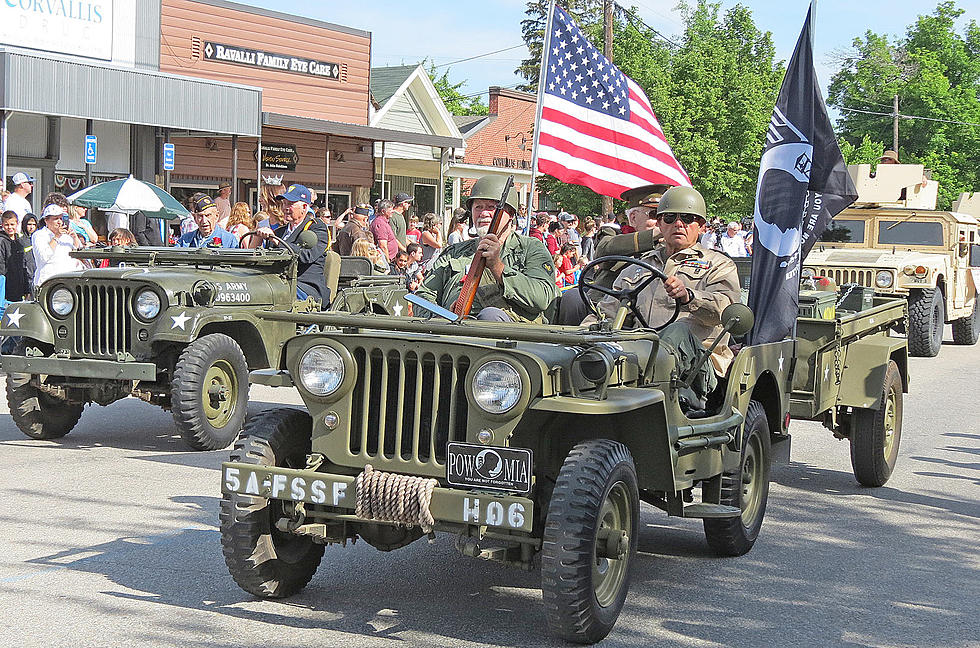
(703, 281)
(519, 280)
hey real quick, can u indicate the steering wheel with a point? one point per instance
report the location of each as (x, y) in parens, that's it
(249, 233)
(629, 294)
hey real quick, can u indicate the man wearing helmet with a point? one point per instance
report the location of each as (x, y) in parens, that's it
(703, 281)
(518, 283)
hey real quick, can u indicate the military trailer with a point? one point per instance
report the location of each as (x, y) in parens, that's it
(895, 242)
(531, 444)
(176, 327)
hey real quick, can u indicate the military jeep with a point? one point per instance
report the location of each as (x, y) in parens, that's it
(176, 327)
(526, 442)
(894, 241)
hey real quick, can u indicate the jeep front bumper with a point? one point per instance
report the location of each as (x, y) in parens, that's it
(79, 368)
(448, 505)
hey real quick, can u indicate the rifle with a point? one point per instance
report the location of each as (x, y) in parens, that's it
(472, 281)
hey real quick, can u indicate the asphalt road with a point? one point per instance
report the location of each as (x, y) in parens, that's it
(109, 539)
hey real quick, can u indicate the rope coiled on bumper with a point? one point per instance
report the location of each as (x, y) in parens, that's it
(402, 499)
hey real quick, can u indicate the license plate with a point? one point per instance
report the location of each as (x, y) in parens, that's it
(480, 466)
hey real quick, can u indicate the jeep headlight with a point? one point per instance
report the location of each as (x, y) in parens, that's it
(321, 370)
(61, 302)
(497, 387)
(884, 279)
(147, 304)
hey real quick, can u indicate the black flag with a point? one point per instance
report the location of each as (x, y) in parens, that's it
(803, 184)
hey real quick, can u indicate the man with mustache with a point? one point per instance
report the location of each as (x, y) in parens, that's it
(518, 283)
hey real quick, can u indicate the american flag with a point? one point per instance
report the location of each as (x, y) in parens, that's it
(597, 126)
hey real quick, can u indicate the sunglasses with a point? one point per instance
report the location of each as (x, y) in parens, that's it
(687, 219)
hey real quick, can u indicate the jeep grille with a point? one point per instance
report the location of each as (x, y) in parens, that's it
(845, 276)
(406, 406)
(102, 319)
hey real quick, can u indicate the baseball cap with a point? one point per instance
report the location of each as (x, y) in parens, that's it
(53, 210)
(403, 197)
(202, 202)
(565, 216)
(21, 178)
(296, 193)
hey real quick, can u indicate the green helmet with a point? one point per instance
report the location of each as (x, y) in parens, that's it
(490, 187)
(683, 200)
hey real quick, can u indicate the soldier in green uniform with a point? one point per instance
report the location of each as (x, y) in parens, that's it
(518, 283)
(703, 281)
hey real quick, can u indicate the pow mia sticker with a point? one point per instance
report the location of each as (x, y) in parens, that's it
(495, 468)
(232, 292)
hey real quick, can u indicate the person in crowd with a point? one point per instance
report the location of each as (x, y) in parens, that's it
(56, 198)
(732, 242)
(223, 201)
(565, 264)
(889, 157)
(355, 229)
(588, 240)
(400, 265)
(12, 264)
(432, 241)
(748, 233)
(384, 233)
(207, 234)
(17, 200)
(324, 214)
(240, 221)
(539, 226)
(553, 238)
(518, 282)
(82, 226)
(399, 217)
(415, 270)
(570, 224)
(710, 239)
(295, 205)
(27, 228)
(703, 282)
(52, 244)
(457, 227)
(365, 248)
(414, 234)
(145, 229)
(119, 237)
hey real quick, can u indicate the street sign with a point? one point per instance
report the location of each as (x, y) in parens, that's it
(168, 157)
(91, 148)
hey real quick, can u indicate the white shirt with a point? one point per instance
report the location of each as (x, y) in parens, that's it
(51, 261)
(709, 241)
(17, 203)
(733, 246)
(224, 211)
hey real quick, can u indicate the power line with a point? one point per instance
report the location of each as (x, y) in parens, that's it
(901, 116)
(630, 13)
(506, 49)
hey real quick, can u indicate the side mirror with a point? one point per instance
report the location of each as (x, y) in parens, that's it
(307, 240)
(737, 319)
(974, 255)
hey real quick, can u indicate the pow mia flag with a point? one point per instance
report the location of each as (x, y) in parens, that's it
(803, 184)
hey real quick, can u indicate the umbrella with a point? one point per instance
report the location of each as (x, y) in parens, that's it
(129, 196)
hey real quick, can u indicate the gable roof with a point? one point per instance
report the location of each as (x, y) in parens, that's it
(385, 81)
(470, 124)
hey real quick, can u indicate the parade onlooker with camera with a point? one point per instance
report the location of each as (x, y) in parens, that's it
(432, 241)
(732, 242)
(52, 245)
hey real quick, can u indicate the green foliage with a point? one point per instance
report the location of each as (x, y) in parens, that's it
(935, 71)
(456, 102)
(867, 152)
(585, 12)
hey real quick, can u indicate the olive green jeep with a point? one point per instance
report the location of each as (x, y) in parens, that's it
(176, 327)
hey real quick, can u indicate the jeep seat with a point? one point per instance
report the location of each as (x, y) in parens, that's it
(352, 267)
(331, 273)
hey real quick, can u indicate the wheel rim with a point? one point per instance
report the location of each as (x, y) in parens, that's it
(609, 574)
(219, 393)
(752, 478)
(890, 422)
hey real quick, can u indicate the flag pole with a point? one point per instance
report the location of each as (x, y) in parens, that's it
(542, 76)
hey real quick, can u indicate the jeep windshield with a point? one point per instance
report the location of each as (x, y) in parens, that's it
(151, 256)
(844, 230)
(900, 232)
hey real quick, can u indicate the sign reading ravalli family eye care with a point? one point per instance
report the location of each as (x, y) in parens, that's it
(266, 60)
(279, 156)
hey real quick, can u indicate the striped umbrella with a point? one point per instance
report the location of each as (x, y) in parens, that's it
(129, 196)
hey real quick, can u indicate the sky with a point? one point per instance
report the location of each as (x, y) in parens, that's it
(445, 31)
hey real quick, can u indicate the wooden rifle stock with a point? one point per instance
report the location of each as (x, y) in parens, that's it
(475, 274)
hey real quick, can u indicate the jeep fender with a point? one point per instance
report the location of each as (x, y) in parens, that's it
(28, 319)
(863, 388)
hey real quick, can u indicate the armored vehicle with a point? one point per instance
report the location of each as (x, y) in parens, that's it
(176, 327)
(895, 242)
(529, 443)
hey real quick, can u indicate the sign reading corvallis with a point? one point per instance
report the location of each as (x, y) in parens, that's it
(266, 60)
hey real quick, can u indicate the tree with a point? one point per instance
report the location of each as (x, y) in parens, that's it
(456, 102)
(585, 12)
(935, 71)
(867, 152)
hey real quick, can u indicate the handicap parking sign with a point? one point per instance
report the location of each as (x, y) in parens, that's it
(168, 157)
(91, 148)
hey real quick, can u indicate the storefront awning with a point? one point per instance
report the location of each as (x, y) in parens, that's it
(62, 87)
(370, 133)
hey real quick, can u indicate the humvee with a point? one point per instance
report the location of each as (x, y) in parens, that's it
(894, 241)
(529, 443)
(176, 327)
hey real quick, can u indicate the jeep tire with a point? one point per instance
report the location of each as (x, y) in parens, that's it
(589, 541)
(746, 488)
(263, 560)
(967, 330)
(37, 414)
(876, 433)
(209, 392)
(927, 316)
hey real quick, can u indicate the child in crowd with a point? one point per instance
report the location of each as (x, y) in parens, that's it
(12, 265)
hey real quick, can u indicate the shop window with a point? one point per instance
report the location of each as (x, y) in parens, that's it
(425, 198)
(338, 203)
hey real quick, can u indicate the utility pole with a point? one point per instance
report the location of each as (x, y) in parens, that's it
(895, 124)
(607, 18)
